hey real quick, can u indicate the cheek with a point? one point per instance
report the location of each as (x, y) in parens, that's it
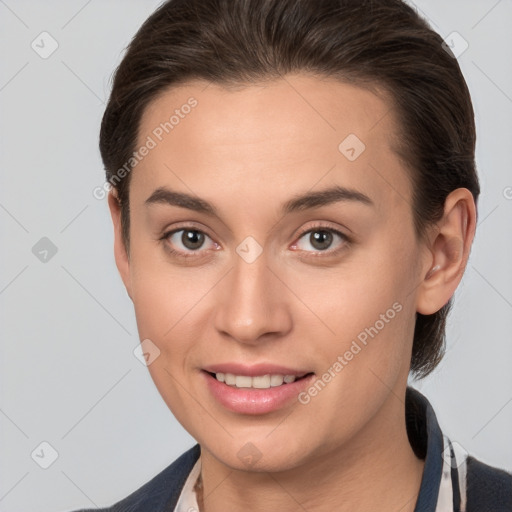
(162, 292)
(365, 322)
(173, 308)
(364, 310)
(167, 305)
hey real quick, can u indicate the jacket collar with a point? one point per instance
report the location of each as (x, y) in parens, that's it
(426, 439)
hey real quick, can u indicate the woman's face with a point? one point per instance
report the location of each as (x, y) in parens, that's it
(256, 274)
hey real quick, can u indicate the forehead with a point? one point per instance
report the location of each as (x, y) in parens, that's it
(286, 133)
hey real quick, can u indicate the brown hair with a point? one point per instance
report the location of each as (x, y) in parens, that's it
(372, 43)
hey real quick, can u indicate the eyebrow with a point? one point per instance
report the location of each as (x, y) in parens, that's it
(300, 202)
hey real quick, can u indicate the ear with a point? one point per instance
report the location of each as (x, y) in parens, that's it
(120, 253)
(449, 246)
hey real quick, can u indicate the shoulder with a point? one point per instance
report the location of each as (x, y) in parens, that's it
(489, 489)
(161, 492)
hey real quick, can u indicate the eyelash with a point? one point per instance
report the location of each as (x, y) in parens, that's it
(312, 229)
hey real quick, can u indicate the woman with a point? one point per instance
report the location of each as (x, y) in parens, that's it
(294, 202)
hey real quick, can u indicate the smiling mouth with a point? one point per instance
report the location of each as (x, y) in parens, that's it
(257, 382)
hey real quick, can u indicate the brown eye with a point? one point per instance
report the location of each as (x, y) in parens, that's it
(187, 242)
(321, 239)
(192, 239)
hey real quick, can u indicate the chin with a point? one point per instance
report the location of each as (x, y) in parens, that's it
(262, 455)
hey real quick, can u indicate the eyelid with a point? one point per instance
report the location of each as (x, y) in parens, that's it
(187, 225)
(319, 225)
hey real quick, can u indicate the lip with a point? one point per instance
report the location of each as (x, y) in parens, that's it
(254, 370)
(254, 401)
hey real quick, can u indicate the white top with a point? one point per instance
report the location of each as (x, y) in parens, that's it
(188, 501)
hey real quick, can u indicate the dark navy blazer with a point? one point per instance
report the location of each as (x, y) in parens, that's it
(488, 489)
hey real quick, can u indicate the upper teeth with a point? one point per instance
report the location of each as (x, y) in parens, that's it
(260, 382)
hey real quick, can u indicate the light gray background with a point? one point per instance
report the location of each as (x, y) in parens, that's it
(68, 373)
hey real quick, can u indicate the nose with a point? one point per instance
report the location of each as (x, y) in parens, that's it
(251, 304)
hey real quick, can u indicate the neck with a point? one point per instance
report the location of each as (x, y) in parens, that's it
(375, 470)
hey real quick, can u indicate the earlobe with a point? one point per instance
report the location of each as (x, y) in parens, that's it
(450, 245)
(120, 253)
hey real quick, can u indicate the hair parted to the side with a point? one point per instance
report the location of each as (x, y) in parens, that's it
(380, 44)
